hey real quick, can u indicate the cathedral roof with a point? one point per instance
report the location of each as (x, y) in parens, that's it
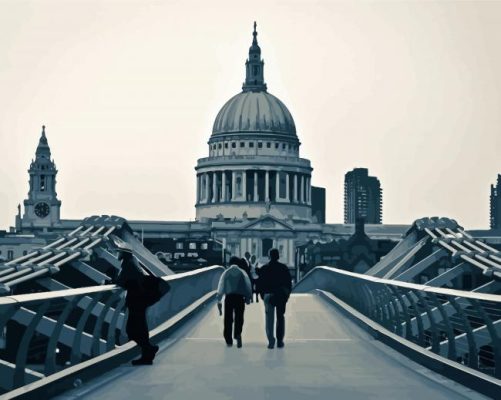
(254, 110)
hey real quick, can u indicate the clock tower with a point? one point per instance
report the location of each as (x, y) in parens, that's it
(42, 207)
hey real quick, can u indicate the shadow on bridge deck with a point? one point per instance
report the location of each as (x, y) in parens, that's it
(326, 356)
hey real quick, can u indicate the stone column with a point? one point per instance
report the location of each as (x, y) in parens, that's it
(277, 186)
(308, 192)
(301, 197)
(214, 187)
(267, 186)
(295, 189)
(206, 187)
(291, 251)
(287, 194)
(244, 185)
(233, 185)
(255, 186)
(223, 186)
(198, 188)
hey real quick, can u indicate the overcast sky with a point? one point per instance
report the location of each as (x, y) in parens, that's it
(129, 90)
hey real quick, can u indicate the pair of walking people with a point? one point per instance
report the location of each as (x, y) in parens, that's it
(274, 285)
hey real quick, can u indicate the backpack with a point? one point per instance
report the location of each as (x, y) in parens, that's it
(154, 288)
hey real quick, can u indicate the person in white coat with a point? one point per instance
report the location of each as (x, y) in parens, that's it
(236, 288)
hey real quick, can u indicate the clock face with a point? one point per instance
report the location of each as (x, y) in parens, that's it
(42, 210)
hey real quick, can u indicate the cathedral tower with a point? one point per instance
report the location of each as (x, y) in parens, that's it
(42, 207)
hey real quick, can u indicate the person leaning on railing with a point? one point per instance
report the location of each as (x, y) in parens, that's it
(132, 279)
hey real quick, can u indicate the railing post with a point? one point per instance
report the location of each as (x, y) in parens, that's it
(50, 357)
(451, 338)
(472, 346)
(96, 333)
(76, 351)
(495, 340)
(435, 341)
(112, 339)
(24, 345)
(417, 314)
(405, 311)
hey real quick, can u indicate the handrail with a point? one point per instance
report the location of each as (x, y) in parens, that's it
(425, 288)
(82, 323)
(462, 326)
(58, 294)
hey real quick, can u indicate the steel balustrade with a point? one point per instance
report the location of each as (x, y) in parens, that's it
(462, 326)
(56, 326)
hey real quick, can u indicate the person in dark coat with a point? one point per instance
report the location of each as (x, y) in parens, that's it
(131, 278)
(275, 285)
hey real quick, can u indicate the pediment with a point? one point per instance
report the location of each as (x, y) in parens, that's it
(269, 223)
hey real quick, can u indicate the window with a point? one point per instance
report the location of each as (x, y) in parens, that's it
(179, 245)
(233, 145)
(260, 145)
(42, 183)
(283, 146)
(251, 144)
(276, 145)
(226, 145)
(242, 144)
(25, 252)
(219, 146)
(10, 254)
(268, 144)
(192, 246)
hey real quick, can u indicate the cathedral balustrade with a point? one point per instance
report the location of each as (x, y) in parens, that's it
(254, 160)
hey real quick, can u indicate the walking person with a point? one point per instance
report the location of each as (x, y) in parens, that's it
(254, 277)
(132, 279)
(235, 286)
(275, 285)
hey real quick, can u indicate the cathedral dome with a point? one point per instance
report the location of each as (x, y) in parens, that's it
(254, 111)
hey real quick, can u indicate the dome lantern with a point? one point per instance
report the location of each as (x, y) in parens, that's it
(254, 67)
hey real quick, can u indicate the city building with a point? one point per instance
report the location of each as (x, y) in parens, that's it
(495, 216)
(254, 191)
(362, 197)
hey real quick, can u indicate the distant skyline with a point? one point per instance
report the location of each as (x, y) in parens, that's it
(128, 91)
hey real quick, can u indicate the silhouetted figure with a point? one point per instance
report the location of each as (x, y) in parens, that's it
(132, 279)
(235, 286)
(254, 276)
(275, 285)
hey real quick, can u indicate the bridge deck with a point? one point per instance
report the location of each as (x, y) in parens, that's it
(325, 356)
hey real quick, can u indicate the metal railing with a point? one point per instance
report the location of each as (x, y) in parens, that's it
(49, 259)
(43, 333)
(462, 326)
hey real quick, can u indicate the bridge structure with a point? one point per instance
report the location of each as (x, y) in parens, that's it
(399, 331)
